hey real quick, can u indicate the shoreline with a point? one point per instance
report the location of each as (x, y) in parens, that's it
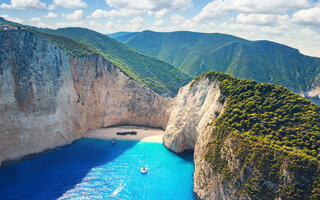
(150, 134)
(144, 134)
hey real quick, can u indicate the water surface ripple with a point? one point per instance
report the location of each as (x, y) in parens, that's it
(95, 169)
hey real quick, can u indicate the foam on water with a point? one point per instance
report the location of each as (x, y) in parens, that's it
(95, 169)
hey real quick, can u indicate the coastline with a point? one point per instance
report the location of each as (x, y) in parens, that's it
(145, 134)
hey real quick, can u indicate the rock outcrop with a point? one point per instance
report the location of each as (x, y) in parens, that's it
(195, 106)
(50, 98)
(230, 164)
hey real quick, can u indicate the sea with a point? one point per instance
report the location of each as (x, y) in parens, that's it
(96, 169)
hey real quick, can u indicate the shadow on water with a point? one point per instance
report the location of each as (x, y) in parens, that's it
(56, 172)
(185, 155)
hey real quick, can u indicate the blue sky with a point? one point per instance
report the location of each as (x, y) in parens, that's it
(292, 22)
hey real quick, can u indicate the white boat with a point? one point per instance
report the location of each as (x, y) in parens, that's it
(143, 169)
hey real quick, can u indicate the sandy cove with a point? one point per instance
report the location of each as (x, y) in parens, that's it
(145, 134)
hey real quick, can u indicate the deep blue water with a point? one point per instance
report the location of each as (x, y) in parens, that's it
(95, 169)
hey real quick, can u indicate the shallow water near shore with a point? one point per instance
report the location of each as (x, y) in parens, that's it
(95, 169)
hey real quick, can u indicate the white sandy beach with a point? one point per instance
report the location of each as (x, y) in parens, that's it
(145, 134)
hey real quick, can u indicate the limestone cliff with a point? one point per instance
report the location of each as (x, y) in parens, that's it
(240, 132)
(195, 106)
(49, 98)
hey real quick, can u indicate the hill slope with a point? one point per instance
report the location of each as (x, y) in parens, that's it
(263, 61)
(122, 36)
(251, 140)
(156, 74)
(159, 76)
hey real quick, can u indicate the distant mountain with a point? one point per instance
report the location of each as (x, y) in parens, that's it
(263, 61)
(119, 35)
(159, 76)
(122, 36)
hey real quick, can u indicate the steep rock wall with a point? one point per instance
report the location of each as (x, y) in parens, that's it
(227, 166)
(49, 98)
(207, 183)
(195, 106)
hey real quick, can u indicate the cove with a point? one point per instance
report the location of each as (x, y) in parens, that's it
(95, 169)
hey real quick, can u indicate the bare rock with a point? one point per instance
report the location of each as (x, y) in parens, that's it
(50, 98)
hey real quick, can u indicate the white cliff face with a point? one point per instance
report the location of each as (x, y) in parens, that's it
(314, 90)
(209, 184)
(196, 106)
(49, 98)
(229, 167)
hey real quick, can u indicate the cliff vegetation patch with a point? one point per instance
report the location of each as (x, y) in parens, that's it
(276, 139)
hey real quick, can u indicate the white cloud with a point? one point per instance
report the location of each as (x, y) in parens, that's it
(307, 16)
(7, 17)
(76, 15)
(5, 6)
(219, 8)
(110, 25)
(68, 4)
(136, 20)
(99, 13)
(181, 23)
(161, 13)
(158, 22)
(25, 4)
(263, 19)
(52, 7)
(51, 15)
(135, 7)
(42, 25)
(135, 24)
(152, 5)
(35, 19)
(177, 19)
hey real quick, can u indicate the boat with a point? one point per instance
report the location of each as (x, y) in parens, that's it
(113, 141)
(127, 133)
(143, 169)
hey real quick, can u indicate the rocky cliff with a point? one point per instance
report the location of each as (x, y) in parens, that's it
(195, 106)
(49, 98)
(250, 140)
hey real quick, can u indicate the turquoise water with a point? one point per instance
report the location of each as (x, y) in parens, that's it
(95, 169)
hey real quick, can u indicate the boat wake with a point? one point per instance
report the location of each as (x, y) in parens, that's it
(117, 191)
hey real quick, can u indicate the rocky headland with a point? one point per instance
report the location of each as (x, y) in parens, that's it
(250, 140)
(49, 97)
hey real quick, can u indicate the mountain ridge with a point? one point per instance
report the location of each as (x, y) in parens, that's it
(158, 75)
(264, 61)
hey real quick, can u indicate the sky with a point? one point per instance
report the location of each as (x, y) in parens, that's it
(295, 23)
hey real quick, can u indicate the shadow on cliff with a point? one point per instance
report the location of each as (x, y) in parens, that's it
(50, 175)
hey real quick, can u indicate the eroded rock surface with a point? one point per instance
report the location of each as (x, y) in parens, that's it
(50, 98)
(228, 166)
(195, 107)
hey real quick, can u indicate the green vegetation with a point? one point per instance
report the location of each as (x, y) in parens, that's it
(197, 53)
(160, 76)
(122, 36)
(271, 129)
(71, 46)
